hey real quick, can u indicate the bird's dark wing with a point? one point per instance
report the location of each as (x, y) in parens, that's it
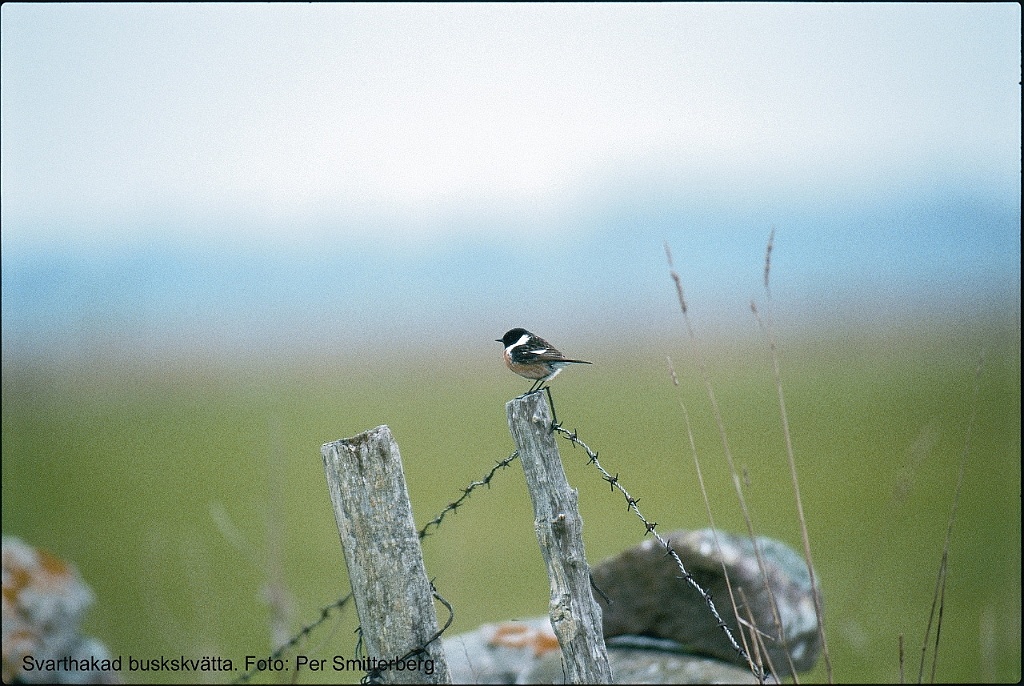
(551, 355)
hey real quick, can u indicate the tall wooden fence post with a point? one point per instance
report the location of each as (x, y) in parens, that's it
(393, 597)
(575, 615)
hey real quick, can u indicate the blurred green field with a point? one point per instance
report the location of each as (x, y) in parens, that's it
(159, 481)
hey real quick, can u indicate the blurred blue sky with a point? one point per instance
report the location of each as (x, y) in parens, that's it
(235, 175)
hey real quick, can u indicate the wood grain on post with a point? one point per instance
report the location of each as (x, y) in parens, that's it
(393, 597)
(575, 615)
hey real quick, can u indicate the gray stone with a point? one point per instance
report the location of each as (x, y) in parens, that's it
(648, 597)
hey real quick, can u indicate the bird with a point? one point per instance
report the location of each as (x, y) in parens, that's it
(531, 357)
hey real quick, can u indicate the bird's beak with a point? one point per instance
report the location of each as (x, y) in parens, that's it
(497, 340)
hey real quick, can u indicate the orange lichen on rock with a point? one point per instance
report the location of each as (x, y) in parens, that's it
(517, 635)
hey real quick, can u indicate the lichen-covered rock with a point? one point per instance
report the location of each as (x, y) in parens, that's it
(648, 597)
(44, 601)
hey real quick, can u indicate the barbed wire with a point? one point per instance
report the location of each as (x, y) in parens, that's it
(632, 504)
(453, 506)
(325, 614)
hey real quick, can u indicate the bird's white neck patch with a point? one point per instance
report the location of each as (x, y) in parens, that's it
(522, 341)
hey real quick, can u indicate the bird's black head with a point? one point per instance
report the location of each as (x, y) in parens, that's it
(512, 335)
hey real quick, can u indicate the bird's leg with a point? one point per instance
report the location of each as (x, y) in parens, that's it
(551, 402)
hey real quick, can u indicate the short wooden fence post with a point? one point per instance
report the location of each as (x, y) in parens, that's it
(394, 599)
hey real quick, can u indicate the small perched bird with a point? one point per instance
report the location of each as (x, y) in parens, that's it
(532, 357)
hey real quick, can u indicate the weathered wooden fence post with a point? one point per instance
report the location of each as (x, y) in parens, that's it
(575, 615)
(393, 597)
